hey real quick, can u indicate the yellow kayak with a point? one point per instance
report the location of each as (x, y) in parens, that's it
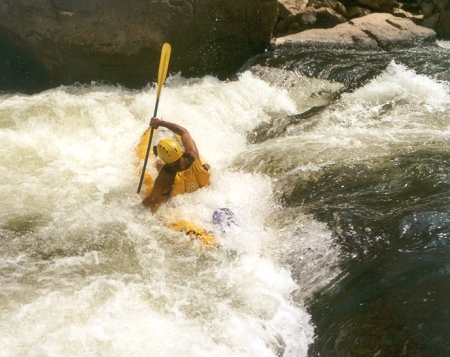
(193, 231)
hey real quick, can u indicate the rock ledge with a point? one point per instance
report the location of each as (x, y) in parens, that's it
(378, 31)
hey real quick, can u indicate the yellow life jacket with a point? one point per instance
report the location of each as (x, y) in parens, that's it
(191, 179)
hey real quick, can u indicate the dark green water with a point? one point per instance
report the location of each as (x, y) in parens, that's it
(385, 198)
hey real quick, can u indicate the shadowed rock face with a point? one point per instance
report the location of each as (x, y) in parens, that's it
(120, 40)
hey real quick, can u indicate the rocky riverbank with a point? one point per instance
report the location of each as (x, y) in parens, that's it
(300, 15)
(381, 24)
(47, 43)
(379, 31)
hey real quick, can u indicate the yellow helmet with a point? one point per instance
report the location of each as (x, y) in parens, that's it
(169, 150)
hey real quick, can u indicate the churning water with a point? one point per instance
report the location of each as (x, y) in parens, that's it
(338, 177)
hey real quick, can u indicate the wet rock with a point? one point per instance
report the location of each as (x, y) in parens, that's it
(120, 41)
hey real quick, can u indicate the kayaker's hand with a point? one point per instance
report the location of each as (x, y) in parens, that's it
(155, 123)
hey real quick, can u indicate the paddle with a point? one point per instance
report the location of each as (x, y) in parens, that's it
(162, 72)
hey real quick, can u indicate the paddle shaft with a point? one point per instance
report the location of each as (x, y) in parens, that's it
(163, 65)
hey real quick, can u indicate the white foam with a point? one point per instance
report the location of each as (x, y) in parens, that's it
(89, 271)
(401, 86)
(443, 44)
(394, 111)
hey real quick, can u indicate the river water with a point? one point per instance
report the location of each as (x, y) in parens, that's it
(335, 164)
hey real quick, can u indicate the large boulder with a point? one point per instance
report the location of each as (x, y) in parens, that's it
(309, 18)
(379, 31)
(444, 29)
(120, 41)
(291, 7)
(374, 5)
(294, 7)
(436, 15)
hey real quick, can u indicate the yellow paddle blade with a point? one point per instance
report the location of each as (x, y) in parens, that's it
(163, 66)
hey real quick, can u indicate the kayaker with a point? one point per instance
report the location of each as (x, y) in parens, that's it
(178, 172)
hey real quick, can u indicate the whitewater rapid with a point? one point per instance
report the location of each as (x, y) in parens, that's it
(85, 269)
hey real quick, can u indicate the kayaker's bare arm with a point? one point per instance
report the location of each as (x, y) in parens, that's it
(188, 143)
(163, 183)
